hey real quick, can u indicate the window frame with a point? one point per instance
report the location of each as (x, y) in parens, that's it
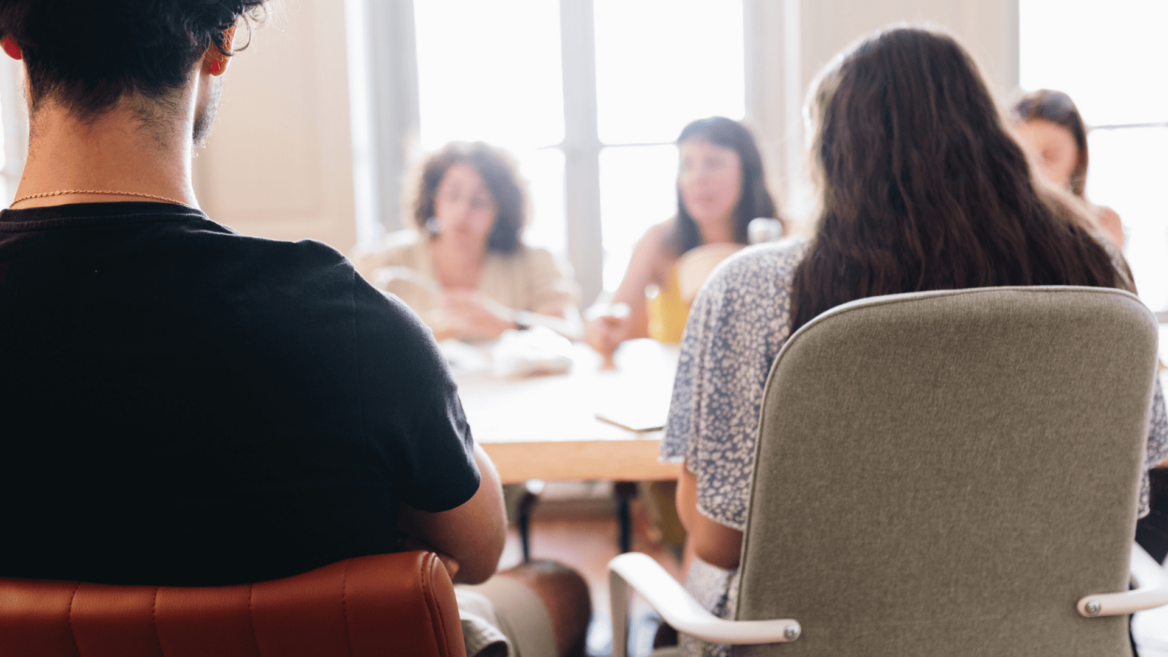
(14, 122)
(394, 116)
(1035, 40)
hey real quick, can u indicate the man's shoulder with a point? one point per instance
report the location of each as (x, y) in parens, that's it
(230, 253)
(302, 292)
(227, 241)
(307, 257)
(401, 248)
(295, 276)
(324, 274)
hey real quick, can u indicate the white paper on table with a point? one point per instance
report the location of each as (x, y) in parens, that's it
(532, 352)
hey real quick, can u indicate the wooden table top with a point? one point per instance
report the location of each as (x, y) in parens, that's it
(545, 427)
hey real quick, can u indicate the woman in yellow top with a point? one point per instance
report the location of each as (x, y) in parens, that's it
(720, 188)
(465, 270)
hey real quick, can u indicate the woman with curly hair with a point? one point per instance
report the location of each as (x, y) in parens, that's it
(465, 270)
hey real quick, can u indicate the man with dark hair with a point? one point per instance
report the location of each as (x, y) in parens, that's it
(183, 405)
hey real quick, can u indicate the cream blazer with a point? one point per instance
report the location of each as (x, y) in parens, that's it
(529, 279)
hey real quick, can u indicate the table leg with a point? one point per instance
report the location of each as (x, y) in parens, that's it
(527, 504)
(625, 491)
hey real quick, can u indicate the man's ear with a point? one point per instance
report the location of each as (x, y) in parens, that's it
(214, 61)
(10, 48)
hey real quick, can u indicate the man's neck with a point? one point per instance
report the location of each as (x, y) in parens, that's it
(117, 152)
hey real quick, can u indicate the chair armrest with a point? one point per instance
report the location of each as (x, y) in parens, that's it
(1150, 580)
(679, 609)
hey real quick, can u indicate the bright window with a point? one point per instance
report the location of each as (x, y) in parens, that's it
(663, 63)
(494, 75)
(1110, 62)
(659, 65)
(12, 128)
(500, 74)
(3, 159)
(637, 190)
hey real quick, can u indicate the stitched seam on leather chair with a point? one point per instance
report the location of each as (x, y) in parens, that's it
(250, 620)
(432, 605)
(344, 608)
(154, 622)
(69, 618)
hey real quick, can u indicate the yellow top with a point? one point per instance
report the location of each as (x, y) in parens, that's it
(668, 312)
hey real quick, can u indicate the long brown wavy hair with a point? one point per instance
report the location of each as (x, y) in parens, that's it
(922, 188)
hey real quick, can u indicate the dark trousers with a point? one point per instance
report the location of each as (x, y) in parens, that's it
(1152, 530)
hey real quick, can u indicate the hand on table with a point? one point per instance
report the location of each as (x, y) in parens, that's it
(471, 314)
(607, 328)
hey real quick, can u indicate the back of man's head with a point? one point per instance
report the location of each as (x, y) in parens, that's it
(87, 55)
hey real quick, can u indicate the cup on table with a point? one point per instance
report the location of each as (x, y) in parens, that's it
(764, 229)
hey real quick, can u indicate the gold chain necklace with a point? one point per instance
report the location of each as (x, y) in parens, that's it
(63, 192)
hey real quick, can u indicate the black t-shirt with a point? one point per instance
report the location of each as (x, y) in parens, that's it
(183, 405)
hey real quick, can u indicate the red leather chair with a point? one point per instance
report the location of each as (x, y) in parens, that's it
(388, 604)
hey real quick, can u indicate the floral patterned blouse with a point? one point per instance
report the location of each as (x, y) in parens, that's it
(736, 328)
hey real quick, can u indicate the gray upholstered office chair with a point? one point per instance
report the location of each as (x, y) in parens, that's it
(943, 473)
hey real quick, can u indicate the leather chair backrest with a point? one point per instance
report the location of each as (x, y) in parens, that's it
(389, 604)
(947, 473)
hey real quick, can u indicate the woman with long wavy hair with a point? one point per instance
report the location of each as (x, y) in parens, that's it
(921, 188)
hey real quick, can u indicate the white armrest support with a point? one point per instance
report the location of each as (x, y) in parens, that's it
(679, 609)
(1151, 590)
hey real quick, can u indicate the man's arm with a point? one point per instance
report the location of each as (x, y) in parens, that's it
(472, 535)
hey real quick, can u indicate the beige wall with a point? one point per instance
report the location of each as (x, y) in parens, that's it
(989, 28)
(279, 161)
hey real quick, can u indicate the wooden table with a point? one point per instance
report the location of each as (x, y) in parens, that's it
(545, 427)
